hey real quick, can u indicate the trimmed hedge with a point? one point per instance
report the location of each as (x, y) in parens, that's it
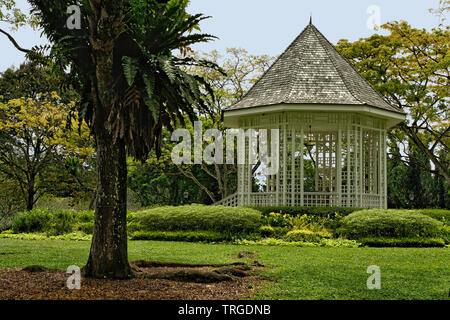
(189, 236)
(324, 212)
(389, 223)
(403, 242)
(442, 215)
(445, 234)
(198, 217)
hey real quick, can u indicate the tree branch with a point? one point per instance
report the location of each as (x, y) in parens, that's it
(14, 42)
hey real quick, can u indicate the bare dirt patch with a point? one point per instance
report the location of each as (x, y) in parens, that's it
(19, 284)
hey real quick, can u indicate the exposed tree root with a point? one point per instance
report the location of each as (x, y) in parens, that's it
(196, 276)
(246, 254)
(239, 271)
(154, 264)
(36, 268)
(225, 272)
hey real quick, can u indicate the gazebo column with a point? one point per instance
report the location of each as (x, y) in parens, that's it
(385, 169)
(302, 167)
(316, 169)
(324, 162)
(339, 165)
(240, 186)
(293, 140)
(285, 163)
(359, 144)
(277, 175)
(380, 169)
(349, 155)
(250, 167)
(241, 172)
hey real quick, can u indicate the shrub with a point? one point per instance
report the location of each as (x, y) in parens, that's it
(31, 221)
(7, 220)
(306, 236)
(402, 242)
(199, 217)
(85, 227)
(277, 220)
(313, 223)
(325, 212)
(52, 222)
(85, 216)
(311, 218)
(445, 234)
(272, 232)
(189, 236)
(438, 214)
(61, 222)
(388, 223)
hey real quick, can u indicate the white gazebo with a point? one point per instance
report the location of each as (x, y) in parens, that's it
(332, 131)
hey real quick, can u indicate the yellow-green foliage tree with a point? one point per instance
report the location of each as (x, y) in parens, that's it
(411, 69)
(34, 133)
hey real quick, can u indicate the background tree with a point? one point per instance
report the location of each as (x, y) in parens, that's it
(67, 173)
(441, 11)
(411, 69)
(241, 71)
(33, 134)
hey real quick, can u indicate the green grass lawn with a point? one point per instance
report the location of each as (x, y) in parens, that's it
(300, 273)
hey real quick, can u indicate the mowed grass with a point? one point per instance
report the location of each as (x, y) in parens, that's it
(299, 273)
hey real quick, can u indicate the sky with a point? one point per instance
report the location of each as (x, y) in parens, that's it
(269, 26)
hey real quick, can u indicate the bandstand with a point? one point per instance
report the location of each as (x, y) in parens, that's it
(332, 131)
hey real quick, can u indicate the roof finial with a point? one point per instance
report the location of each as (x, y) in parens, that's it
(310, 18)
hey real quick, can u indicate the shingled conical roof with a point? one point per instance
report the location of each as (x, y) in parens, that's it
(312, 71)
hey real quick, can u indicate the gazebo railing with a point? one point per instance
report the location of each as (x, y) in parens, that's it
(262, 199)
(310, 199)
(319, 199)
(230, 201)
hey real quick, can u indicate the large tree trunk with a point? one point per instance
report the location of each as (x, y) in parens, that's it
(30, 199)
(30, 193)
(108, 257)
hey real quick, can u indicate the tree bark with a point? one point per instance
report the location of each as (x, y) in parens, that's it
(108, 256)
(30, 192)
(30, 200)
